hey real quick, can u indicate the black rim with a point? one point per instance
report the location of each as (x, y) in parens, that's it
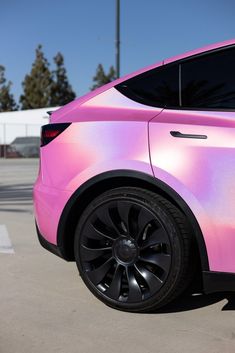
(125, 251)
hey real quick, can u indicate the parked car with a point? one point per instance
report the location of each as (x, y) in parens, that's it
(6, 151)
(27, 146)
(137, 181)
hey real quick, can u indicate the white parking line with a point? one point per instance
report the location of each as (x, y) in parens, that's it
(5, 242)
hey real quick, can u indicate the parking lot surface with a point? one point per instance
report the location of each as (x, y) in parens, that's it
(45, 307)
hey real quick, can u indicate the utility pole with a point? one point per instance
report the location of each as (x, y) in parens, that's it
(117, 38)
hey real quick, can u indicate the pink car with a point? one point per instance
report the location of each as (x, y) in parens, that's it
(137, 181)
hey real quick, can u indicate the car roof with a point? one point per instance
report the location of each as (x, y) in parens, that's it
(200, 50)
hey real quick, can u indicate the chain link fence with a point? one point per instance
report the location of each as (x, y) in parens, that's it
(19, 140)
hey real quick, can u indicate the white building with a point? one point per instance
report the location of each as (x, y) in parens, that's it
(22, 123)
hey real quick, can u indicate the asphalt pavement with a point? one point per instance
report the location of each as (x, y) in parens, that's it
(44, 306)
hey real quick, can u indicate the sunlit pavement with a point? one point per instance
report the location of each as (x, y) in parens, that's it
(44, 306)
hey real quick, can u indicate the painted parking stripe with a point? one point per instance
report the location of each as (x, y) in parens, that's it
(5, 242)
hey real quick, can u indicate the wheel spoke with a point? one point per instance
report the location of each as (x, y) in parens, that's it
(90, 254)
(145, 219)
(135, 293)
(115, 287)
(99, 273)
(105, 214)
(158, 236)
(96, 233)
(159, 259)
(119, 224)
(124, 210)
(154, 283)
(134, 220)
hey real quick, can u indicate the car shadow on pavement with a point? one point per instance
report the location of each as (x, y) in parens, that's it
(199, 300)
(15, 192)
(15, 198)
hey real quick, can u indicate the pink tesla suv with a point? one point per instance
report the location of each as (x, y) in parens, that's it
(137, 181)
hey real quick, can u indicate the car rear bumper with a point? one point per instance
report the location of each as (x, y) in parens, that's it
(49, 246)
(49, 203)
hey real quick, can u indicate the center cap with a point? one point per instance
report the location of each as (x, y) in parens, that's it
(125, 250)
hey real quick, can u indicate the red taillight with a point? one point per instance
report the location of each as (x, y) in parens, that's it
(50, 131)
(51, 134)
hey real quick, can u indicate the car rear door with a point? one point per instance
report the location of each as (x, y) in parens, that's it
(192, 149)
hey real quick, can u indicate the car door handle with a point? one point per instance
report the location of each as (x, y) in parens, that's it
(187, 136)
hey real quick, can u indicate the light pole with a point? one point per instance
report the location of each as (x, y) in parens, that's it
(117, 42)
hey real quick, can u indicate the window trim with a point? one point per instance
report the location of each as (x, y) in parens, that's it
(180, 85)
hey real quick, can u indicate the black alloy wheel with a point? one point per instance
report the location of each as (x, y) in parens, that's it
(132, 249)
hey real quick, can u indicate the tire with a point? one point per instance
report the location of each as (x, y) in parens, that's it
(133, 249)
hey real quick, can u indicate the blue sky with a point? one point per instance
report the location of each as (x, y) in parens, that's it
(84, 31)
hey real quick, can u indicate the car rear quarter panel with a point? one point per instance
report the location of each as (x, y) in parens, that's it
(103, 138)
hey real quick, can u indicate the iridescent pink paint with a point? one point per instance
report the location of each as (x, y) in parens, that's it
(110, 132)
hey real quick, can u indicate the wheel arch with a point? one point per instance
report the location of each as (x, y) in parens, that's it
(113, 179)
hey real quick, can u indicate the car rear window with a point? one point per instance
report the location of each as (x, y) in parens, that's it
(158, 87)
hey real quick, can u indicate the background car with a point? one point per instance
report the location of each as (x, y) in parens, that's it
(26, 146)
(7, 152)
(137, 182)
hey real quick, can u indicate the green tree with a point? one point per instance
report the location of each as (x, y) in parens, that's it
(37, 84)
(7, 102)
(61, 91)
(101, 78)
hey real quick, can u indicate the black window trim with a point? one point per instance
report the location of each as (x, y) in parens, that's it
(180, 86)
(178, 62)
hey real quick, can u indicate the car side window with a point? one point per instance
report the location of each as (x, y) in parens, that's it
(208, 81)
(158, 87)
